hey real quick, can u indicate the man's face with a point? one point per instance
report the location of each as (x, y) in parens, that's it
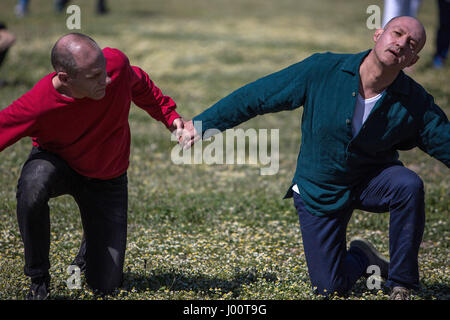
(399, 43)
(91, 79)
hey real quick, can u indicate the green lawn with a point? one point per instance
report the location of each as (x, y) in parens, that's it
(218, 231)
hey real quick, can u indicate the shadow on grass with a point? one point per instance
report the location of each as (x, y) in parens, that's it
(440, 291)
(427, 291)
(213, 287)
(176, 280)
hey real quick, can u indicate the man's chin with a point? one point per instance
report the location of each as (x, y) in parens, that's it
(99, 96)
(392, 64)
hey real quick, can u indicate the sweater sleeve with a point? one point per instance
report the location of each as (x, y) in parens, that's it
(17, 121)
(434, 137)
(282, 90)
(146, 95)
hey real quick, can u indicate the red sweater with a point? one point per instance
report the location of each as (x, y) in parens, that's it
(92, 136)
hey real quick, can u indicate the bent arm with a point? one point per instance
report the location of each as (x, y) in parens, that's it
(16, 121)
(146, 95)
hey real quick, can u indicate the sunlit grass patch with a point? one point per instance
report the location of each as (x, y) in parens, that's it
(211, 231)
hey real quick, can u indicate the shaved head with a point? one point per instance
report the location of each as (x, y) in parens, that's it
(396, 47)
(80, 67)
(398, 44)
(71, 50)
(414, 23)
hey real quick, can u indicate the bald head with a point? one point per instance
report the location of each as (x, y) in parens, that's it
(413, 24)
(73, 50)
(398, 44)
(80, 67)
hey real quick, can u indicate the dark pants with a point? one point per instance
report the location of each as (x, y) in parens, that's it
(332, 267)
(3, 55)
(103, 208)
(100, 6)
(443, 33)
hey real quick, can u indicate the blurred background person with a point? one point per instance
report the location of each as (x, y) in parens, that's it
(395, 8)
(443, 34)
(99, 9)
(59, 5)
(21, 8)
(7, 39)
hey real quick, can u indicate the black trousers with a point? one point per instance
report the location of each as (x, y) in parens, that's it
(3, 55)
(103, 208)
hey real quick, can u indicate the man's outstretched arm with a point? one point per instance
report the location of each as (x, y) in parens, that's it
(150, 98)
(283, 90)
(16, 121)
(434, 138)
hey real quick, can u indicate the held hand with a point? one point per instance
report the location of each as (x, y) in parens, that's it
(190, 135)
(177, 128)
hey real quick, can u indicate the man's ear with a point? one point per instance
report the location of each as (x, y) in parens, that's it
(414, 60)
(377, 34)
(63, 77)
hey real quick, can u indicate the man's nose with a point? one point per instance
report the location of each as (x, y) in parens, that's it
(402, 41)
(106, 81)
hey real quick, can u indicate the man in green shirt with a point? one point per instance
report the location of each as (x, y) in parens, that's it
(358, 111)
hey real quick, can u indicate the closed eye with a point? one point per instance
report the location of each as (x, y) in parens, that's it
(94, 75)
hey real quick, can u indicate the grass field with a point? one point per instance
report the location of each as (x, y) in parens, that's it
(218, 231)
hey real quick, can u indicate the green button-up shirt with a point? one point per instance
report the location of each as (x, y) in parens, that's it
(332, 161)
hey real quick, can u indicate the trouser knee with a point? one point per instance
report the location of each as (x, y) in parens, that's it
(409, 192)
(33, 186)
(412, 184)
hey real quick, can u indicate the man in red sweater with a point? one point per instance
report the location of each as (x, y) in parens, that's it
(77, 117)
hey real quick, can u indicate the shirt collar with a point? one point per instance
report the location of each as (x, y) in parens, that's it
(352, 63)
(400, 84)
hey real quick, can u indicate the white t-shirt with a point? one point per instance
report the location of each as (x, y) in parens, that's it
(363, 108)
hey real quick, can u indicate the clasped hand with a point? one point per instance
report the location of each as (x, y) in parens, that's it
(185, 132)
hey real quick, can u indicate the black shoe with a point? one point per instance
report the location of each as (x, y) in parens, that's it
(39, 290)
(80, 262)
(374, 257)
(80, 259)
